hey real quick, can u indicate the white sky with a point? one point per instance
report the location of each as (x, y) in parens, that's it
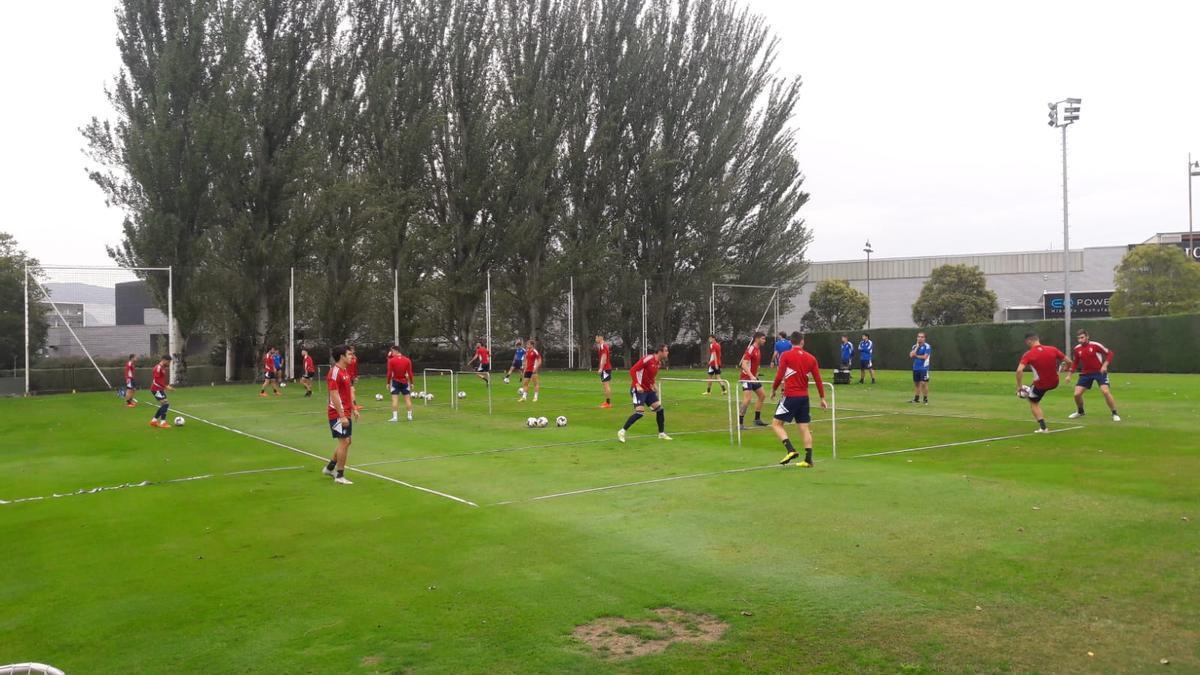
(922, 125)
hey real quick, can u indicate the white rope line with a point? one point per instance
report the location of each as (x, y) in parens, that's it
(147, 483)
(324, 459)
(642, 482)
(952, 445)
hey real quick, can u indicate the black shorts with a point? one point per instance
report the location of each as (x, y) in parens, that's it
(606, 375)
(866, 364)
(268, 374)
(339, 431)
(528, 374)
(160, 396)
(1036, 394)
(920, 376)
(132, 384)
(644, 398)
(484, 368)
(751, 386)
(400, 388)
(309, 375)
(714, 370)
(1086, 380)
(793, 409)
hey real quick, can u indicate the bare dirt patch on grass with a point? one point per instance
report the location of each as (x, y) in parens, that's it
(618, 638)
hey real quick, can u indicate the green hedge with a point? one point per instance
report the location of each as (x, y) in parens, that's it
(1160, 344)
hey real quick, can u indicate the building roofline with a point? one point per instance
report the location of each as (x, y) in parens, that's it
(964, 255)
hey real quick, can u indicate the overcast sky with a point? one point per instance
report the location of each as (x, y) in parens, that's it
(922, 125)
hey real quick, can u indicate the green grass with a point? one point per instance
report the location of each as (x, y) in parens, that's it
(1016, 555)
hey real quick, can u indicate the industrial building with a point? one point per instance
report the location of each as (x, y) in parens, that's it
(1028, 285)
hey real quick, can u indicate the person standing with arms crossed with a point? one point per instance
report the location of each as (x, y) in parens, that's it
(866, 353)
(920, 355)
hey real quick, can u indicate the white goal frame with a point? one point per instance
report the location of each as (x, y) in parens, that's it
(171, 328)
(453, 384)
(772, 304)
(832, 410)
(730, 406)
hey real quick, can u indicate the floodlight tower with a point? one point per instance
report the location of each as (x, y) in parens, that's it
(1062, 115)
(1193, 171)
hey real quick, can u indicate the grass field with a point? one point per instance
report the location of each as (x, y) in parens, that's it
(1076, 551)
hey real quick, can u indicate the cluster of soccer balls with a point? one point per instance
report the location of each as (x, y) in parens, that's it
(422, 395)
(542, 422)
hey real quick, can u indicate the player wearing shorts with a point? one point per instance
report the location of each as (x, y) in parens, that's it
(279, 368)
(159, 386)
(518, 362)
(310, 372)
(269, 374)
(341, 410)
(1044, 361)
(749, 380)
(714, 366)
(400, 378)
(604, 350)
(847, 352)
(866, 362)
(483, 370)
(130, 382)
(795, 368)
(533, 364)
(1092, 359)
(644, 390)
(920, 354)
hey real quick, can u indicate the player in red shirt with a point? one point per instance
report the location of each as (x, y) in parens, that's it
(1092, 359)
(604, 350)
(795, 367)
(1044, 361)
(750, 382)
(310, 372)
(533, 364)
(341, 412)
(645, 392)
(269, 374)
(130, 382)
(400, 378)
(485, 362)
(159, 386)
(714, 366)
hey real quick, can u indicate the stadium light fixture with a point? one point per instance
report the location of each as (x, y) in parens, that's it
(1069, 109)
(868, 250)
(1193, 171)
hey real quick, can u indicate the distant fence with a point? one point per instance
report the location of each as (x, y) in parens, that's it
(1160, 344)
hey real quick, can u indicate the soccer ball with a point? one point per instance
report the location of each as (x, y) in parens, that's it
(418, 394)
(531, 422)
(1025, 391)
(282, 384)
(521, 390)
(179, 421)
(378, 397)
(462, 394)
(561, 421)
(542, 422)
(428, 397)
(505, 379)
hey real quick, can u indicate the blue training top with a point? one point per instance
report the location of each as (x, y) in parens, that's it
(783, 346)
(520, 355)
(921, 361)
(865, 349)
(847, 351)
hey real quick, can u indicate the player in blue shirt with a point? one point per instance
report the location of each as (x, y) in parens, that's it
(518, 362)
(920, 363)
(783, 345)
(847, 352)
(866, 353)
(278, 368)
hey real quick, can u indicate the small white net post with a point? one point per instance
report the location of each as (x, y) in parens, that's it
(730, 416)
(833, 416)
(571, 325)
(440, 372)
(100, 314)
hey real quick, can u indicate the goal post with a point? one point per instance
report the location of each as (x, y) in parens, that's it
(771, 308)
(730, 417)
(101, 314)
(736, 406)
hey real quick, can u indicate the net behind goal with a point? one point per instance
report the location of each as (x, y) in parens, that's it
(83, 323)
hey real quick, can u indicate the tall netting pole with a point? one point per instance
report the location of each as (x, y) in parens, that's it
(712, 311)
(487, 332)
(27, 329)
(396, 305)
(171, 325)
(571, 326)
(291, 346)
(645, 310)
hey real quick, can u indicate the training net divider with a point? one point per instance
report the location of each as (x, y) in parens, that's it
(453, 384)
(133, 274)
(832, 410)
(460, 373)
(730, 417)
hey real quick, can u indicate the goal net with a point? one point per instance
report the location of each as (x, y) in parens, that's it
(83, 323)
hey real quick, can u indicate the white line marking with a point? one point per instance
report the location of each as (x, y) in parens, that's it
(147, 483)
(951, 445)
(643, 482)
(323, 459)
